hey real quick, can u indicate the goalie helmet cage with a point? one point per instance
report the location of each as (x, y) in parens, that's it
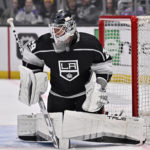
(127, 40)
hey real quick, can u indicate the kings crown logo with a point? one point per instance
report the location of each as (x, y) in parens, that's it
(68, 69)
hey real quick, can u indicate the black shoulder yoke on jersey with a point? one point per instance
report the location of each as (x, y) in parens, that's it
(70, 71)
(44, 42)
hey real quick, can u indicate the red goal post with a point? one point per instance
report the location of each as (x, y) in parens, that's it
(127, 39)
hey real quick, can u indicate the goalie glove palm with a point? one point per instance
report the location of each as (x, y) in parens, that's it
(95, 98)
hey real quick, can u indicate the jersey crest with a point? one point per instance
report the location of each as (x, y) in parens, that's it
(68, 69)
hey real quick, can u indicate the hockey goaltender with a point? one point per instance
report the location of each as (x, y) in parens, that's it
(79, 72)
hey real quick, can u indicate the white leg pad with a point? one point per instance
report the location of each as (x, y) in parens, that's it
(26, 125)
(83, 126)
(34, 125)
(56, 120)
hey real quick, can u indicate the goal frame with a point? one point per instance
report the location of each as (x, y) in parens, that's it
(134, 54)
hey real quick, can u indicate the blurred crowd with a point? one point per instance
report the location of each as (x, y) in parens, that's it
(85, 12)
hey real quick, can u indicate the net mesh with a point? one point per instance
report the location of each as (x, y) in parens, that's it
(118, 43)
(144, 62)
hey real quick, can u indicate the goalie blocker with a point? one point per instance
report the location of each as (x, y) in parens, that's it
(32, 85)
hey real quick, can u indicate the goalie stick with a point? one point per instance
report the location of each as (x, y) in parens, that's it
(41, 102)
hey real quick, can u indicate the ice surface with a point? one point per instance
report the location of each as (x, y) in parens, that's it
(10, 107)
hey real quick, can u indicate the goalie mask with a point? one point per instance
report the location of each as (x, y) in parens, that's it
(62, 29)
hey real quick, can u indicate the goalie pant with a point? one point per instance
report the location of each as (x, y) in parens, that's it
(69, 71)
(59, 104)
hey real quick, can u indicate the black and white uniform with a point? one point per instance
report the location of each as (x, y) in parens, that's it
(70, 71)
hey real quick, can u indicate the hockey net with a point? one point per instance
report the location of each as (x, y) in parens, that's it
(127, 40)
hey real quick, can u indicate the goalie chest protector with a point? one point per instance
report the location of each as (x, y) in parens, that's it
(70, 71)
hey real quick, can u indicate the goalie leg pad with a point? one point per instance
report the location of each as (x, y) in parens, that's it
(32, 86)
(26, 127)
(33, 127)
(85, 126)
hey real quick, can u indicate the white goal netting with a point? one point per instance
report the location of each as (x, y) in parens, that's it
(127, 40)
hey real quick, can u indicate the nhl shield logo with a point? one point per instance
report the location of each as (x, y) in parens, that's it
(68, 69)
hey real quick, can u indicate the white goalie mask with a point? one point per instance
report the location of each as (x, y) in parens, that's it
(62, 30)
